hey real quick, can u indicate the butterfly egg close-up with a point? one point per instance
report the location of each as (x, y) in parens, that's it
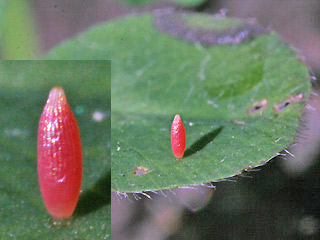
(59, 156)
(178, 137)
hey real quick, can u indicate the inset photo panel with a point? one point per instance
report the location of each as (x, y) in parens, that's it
(55, 149)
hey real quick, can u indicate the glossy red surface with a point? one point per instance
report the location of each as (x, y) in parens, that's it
(59, 156)
(178, 137)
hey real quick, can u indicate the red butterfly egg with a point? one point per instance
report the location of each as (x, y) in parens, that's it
(59, 156)
(178, 137)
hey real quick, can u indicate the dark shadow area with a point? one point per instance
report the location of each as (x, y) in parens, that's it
(202, 7)
(255, 207)
(202, 142)
(96, 197)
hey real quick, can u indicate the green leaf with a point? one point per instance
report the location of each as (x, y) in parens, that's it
(3, 5)
(156, 76)
(18, 39)
(184, 3)
(188, 3)
(25, 86)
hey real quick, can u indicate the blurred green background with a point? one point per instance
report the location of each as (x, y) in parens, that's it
(29, 28)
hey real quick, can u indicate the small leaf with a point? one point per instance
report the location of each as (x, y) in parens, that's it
(18, 36)
(25, 86)
(188, 3)
(184, 3)
(212, 86)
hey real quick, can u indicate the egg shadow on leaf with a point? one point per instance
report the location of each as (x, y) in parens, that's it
(95, 197)
(202, 142)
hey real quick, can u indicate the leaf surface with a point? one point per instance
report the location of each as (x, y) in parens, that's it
(213, 87)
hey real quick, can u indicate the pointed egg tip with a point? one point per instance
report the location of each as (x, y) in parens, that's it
(56, 91)
(177, 118)
(56, 96)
